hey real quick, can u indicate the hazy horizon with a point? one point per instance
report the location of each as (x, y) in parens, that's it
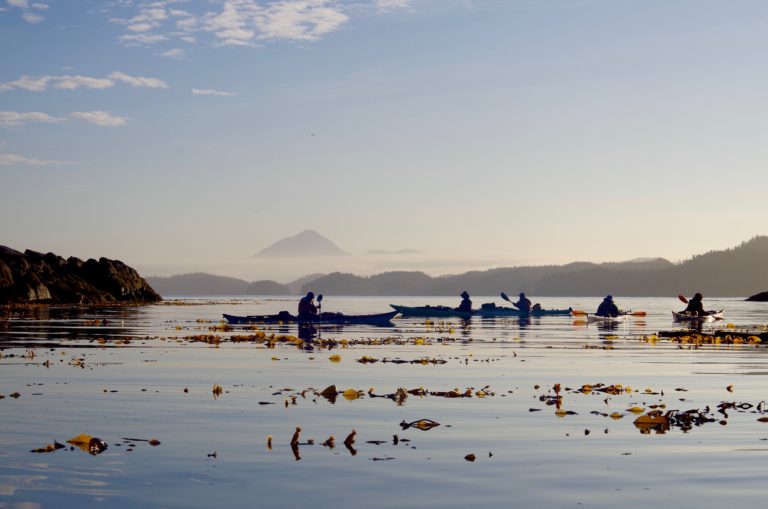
(183, 136)
(286, 270)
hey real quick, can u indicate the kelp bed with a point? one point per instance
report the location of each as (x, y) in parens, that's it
(197, 411)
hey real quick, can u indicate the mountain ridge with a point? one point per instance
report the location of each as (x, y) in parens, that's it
(737, 272)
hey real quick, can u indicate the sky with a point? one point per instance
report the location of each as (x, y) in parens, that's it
(182, 136)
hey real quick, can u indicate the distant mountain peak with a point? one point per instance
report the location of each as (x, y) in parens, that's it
(307, 243)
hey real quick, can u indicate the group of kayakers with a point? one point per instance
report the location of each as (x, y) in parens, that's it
(695, 306)
(607, 308)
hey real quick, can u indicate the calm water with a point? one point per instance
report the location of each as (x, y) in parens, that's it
(131, 374)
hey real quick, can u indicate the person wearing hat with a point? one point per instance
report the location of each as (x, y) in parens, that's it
(307, 308)
(695, 307)
(608, 307)
(466, 304)
(523, 304)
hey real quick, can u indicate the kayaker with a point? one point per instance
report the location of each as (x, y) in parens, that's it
(608, 307)
(523, 304)
(695, 307)
(466, 304)
(307, 308)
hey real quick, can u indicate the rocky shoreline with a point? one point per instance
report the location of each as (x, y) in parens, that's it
(36, 278)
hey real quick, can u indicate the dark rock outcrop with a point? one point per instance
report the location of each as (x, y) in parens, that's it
(759, 297)
(36, 278)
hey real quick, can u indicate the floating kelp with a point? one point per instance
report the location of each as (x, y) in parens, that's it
(55, 446)
(719, 337)
(330, 393)
(87, 443)
(422, 424)
(398, 396)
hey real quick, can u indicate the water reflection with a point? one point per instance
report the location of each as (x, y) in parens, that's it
(47, 326)
(608, 326)
(542, 447)
(307, 333)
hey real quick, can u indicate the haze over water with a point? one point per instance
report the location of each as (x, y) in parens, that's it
(527, 454)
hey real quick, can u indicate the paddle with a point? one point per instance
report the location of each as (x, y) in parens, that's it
(506, 298)
(319, 304)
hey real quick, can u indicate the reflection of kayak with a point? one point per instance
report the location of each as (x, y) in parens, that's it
(711, 316)
(494, 311)
(431, 311)
(324, 318)
(606, 319)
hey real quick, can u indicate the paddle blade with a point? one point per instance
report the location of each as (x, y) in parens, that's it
(320, 298)
(505, 297)
(682, 298)
(576, 312)
(638, 313)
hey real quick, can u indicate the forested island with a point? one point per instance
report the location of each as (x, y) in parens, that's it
(736, 272)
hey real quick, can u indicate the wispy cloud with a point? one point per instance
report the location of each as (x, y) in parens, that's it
(210, 91)
(15, 118)
(28, 9)
(300, 20)
(17, 160)
(75, 82)
(31, 17)
(27, 83)
(67, 82)
(98, 117)
(137, 81)
(139, 39)
(238, 22)
(101, 118)
(176, 53)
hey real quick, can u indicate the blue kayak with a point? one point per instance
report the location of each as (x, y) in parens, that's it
(485, 312)
(431, 311)
(490, 312)
(321, 319)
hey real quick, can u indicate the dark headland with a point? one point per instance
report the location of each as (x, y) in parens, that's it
(759, 297)
(36, 278)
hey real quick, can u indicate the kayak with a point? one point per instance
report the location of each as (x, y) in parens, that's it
(322, 319)
(500, 311)
(592, 318)
(711, 316)
(446, 312)
(431, 311)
